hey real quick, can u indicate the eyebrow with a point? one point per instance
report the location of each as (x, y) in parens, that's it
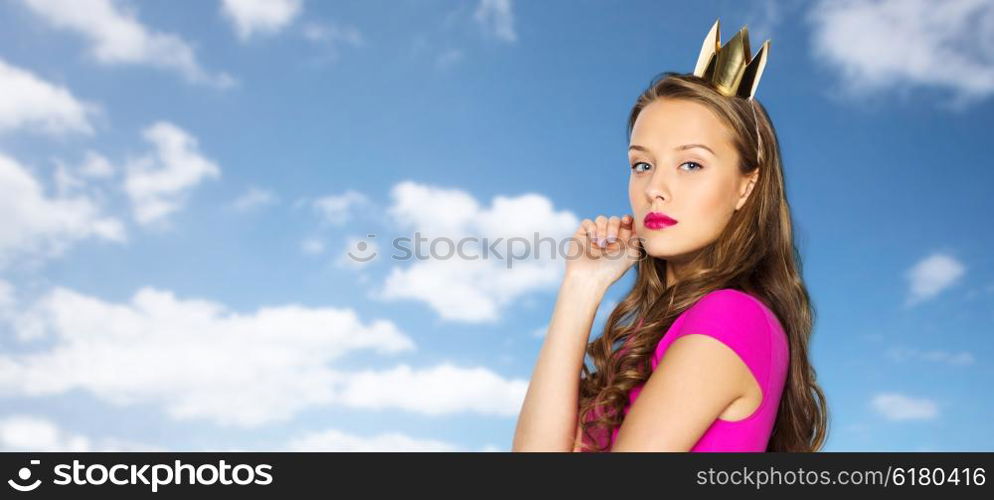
(678, 148)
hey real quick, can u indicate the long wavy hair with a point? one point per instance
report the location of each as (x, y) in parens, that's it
(755, 253)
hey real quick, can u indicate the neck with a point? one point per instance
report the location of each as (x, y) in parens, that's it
(672, 273)
(677, 268)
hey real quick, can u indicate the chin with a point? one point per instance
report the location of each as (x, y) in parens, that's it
(658, 247)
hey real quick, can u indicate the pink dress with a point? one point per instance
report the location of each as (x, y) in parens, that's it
(753, 331)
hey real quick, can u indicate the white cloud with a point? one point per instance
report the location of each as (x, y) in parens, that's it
(199, 360)
(336, 209)
(96, 166)
(65, 181)
(117, 37)
(439, 390)
(32, 433)
(260, 17)
(962, 358)
(335, 440)
(879, 46)
(253, 198)
(496, 18)
(894, 406)
(27, 101)
(333, 34)
(471, 288)
(194, 357)
(329, 38)
(7, 300)
(157, 183)
(6, 294)
(932, 275)
(27, 433)
(22, 432)
(468, 290)
(37, 226)
(434, 210)
(312, 246)
(84, 176)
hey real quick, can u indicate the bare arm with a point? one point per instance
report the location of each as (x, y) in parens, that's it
(549, 414)
(577, 441)
(548, 418)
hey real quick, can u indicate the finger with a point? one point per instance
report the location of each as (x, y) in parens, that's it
(601, 230)
(632, 224)
(592, 249)
(612, 228)
(625, 229)
(589, 232)
(583, 227)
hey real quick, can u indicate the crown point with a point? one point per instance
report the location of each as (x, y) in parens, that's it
(731, 67)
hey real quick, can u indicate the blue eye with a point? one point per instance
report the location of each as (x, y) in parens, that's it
(699, 166)
(635, 167)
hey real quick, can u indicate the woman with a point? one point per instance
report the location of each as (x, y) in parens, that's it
(714, 332)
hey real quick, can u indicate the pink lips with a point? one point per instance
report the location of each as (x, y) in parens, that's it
(657, 220)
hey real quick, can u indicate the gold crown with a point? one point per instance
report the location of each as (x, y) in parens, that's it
(730, 68)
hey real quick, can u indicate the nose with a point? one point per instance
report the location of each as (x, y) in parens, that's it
(658, 187)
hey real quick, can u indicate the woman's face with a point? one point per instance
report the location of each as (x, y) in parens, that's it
(685, 167)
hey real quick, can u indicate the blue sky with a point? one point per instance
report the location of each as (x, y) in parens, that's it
(180, 183)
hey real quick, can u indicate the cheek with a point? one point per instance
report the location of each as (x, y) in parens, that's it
(712, 206)
(634, 193)
(712, 203)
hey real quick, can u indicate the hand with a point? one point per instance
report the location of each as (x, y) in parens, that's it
(603, 249)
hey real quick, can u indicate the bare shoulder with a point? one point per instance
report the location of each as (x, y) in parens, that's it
(696, 380)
